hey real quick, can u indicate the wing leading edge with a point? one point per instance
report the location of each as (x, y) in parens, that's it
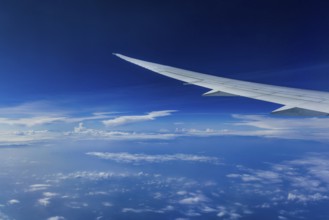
(296, 102)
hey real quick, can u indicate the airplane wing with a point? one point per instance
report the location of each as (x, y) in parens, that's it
(296, 102)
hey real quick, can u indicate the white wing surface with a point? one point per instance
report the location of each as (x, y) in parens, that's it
(296, 102)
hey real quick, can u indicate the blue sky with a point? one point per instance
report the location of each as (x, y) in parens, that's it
(58, 71)
(55, 49)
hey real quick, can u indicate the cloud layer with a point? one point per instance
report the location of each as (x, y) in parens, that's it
(137, 158)
(43, 121)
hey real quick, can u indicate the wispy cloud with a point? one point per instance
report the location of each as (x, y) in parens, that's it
(282, 123)
(13, 202)
(188, 196)
(258, 175)
(36, 108)
(81, 132)
(283, 127)
(304, 180)
(38, 187)
(4, 216)
(14, 129)
(317, 166)
(233, 212)
(315, 129)
(44, 201)
(306, 198)
(96, 175)
(199, 204)
(194, 199)
(77, 205)
(13, 138)
(137, 158)
(145, 210)
(56, 218)
(33, 121)
(107, 204)
(48, 119)
(43, 112)
(122, 120)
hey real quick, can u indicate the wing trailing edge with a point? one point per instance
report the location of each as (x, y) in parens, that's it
(217, 93)
(294, 111)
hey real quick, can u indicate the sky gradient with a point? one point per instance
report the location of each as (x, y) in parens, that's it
(85, 135)
(57, 57)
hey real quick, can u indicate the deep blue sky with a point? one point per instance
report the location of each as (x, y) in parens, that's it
(60, 53)
(63, 48)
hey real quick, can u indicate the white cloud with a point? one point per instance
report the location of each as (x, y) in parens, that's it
(107, 204)
(50, 194)
(232, 213)
(195, 199)
(192, 213)
(221, 214)
(282, 123)
(38, 187)
(197, 203)
(4, 216)
(44, 201)
(95, 193)
(258, 175)
(189, 197)
(243, 125)
(136, 158)
(143, 210)
(31, 121)
(122, 120)
(56, 218)
(48, 119)
(158, 195)
(267, 127)
(27, 137)
(30, 114)
(316, 165)
(13, 201)
(181, 192)
(77, 205)
(207, 209)
(306, 198)
(31, 108)
(82, 133)
(94, 116)
(137, 211)
(264, 126)
(43, 113)
(304, 180)
(284, 127)
(97, 175)
(23, 137)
